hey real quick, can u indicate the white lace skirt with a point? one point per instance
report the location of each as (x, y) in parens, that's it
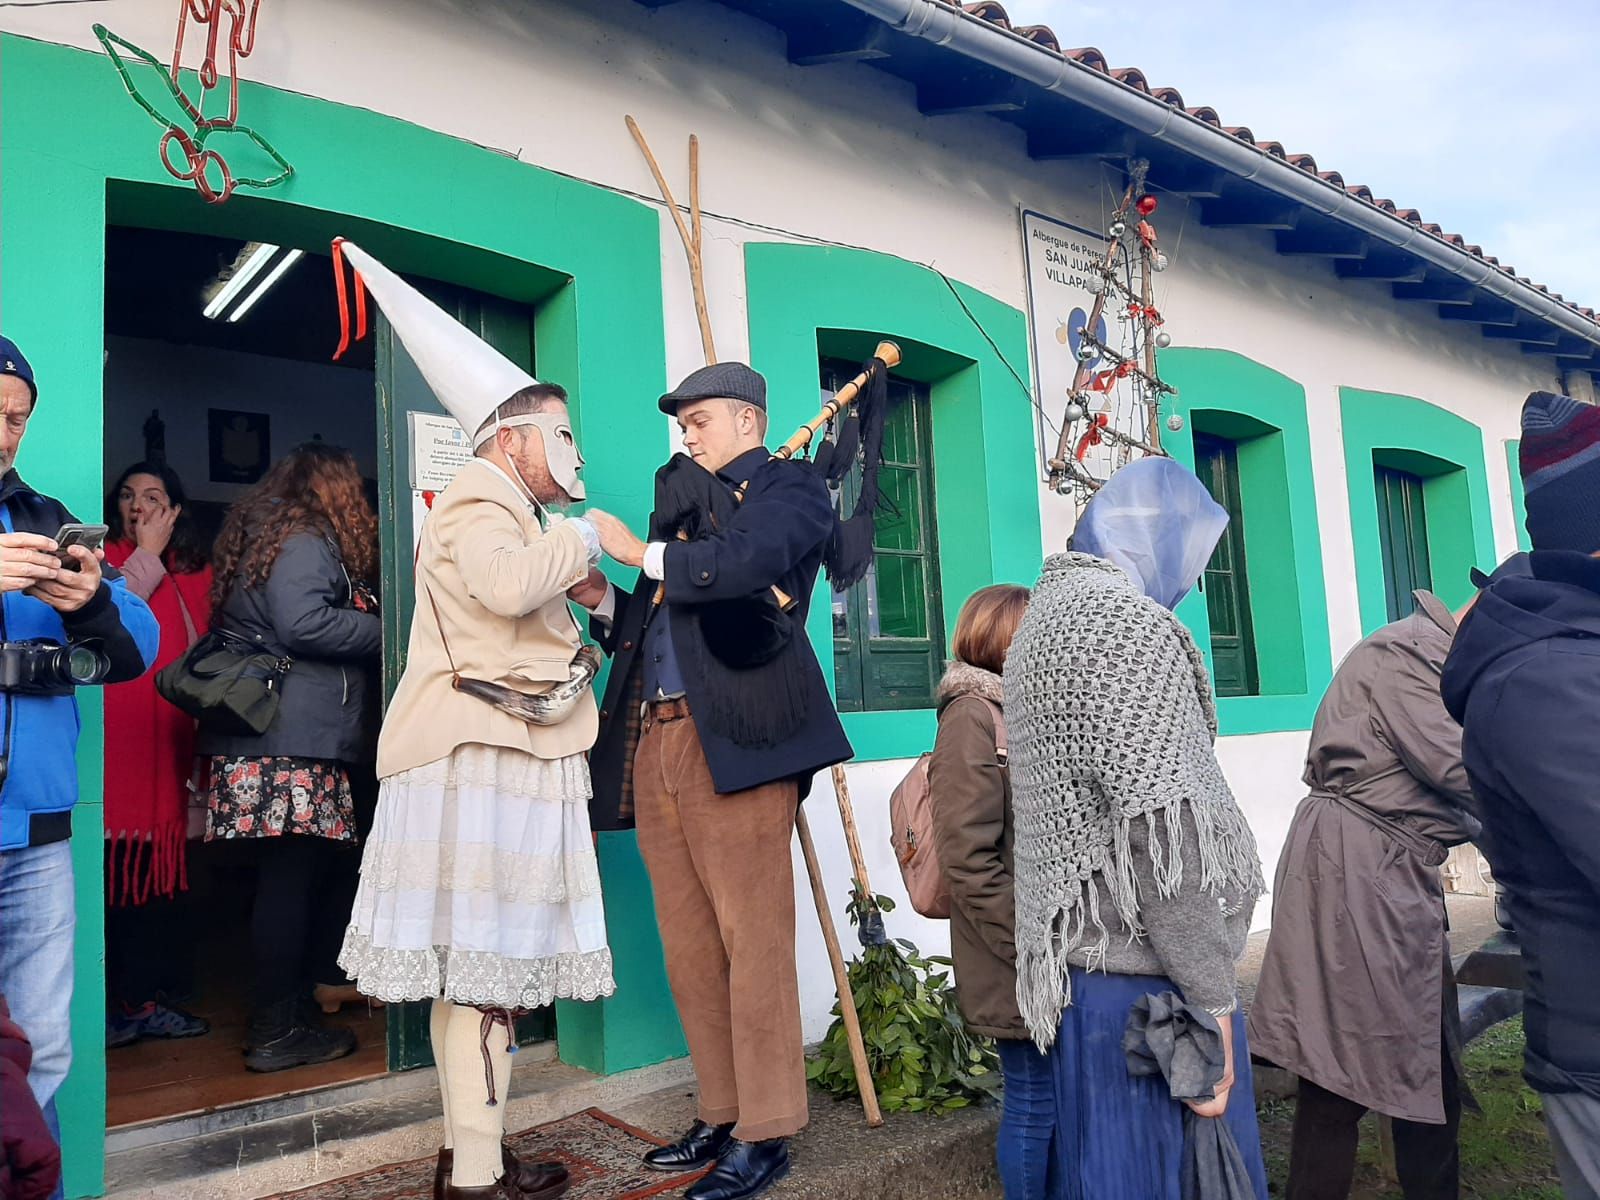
(480, 884)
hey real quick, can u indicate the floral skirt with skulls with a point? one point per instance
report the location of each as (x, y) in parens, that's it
(269, 797)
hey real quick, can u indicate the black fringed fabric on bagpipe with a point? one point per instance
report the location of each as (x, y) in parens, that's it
(859, 435)
(747, 652)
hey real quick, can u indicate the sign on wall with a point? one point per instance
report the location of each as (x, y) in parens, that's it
(439, 448)
(1060, 257)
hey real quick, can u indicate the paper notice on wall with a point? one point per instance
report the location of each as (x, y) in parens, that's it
(1061, 258)
(439, 448)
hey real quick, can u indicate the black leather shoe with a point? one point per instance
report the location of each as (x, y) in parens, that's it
(745, 1169)
(700, 1147)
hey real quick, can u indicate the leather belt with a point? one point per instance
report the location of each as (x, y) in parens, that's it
(663, 711)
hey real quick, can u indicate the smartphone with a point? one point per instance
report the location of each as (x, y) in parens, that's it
(90, 537)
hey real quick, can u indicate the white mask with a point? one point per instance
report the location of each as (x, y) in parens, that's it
(560, 447)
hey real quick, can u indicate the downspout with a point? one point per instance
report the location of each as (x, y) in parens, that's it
(948, 26)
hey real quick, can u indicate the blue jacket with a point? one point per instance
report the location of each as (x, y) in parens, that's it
(39, 734)
(1523, 678)
(777, 538)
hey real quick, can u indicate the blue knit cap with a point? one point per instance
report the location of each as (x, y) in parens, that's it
(12, 363)
(1560, 462)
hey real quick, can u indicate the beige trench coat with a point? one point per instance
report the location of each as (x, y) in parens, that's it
(1354, 984)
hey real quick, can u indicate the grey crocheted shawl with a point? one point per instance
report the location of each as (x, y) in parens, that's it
(1111, 722)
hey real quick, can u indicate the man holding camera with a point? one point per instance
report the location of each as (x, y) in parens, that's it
(66, 620)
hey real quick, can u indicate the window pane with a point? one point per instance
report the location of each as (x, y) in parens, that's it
(897, 525)
(902, 598)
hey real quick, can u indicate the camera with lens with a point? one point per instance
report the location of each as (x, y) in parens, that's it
(45, 668)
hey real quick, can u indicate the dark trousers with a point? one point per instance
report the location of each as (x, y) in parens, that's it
(1023, 1145)
(1322, 1157)
(148, 951)
(289, 924)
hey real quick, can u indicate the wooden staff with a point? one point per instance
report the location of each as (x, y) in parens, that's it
(841, 974)
(692, 246)
(889, 352)
(852, 835)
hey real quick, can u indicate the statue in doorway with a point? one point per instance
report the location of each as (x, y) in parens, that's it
(155, 438)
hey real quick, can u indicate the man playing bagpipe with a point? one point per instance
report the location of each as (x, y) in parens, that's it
(714, 720)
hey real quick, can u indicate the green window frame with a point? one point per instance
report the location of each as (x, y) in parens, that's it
(1227, 577)
(1446, 453)
(888, 634)
(1519, 499)
(1261, 415)
(1403, 534)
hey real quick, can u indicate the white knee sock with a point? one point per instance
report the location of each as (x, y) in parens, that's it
(438, 1018)
(477, 1125)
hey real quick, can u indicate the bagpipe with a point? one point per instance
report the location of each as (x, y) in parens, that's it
(756, 677)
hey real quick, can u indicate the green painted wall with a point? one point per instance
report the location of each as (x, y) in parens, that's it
(1518, 500)
(1264, 412)
(79, 154)
(803, 301)
(1447, 452)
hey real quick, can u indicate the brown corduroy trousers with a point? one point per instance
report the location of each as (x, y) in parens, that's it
(724, 888)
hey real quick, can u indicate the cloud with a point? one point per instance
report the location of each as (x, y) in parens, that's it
(1475, 113)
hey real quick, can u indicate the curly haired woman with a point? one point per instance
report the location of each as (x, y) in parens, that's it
(289, 566)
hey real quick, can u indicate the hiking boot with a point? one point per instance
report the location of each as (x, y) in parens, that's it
(152, 1020)
(282, 1036)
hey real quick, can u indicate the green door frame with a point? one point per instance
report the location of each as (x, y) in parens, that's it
(79, 155)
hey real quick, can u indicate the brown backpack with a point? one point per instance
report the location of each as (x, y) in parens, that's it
(911, 830)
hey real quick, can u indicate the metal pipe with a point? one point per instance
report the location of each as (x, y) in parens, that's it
(946, 25)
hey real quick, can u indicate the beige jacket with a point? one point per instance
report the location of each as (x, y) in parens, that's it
(499, 582)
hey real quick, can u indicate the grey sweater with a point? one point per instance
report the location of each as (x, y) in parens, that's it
(1187, 937)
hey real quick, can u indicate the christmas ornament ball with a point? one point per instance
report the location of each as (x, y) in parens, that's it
(1074, 411)
(1175, 423)
(1095, 285)
(1117, 229)
(1147, 205)
(1160, 263)
(1085, 352)
(1163, 339)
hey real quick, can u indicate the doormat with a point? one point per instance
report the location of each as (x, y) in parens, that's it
(602, 1153)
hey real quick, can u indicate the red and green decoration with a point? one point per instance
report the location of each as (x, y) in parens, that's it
(193, 144)
(1113, 411)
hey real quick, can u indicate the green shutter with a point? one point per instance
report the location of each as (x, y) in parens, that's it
(1403, 535)
(888, 635)
(1227, 585)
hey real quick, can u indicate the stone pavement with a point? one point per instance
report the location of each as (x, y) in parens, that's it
(913, 1157)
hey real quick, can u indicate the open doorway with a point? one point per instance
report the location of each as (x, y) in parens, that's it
(216, 392)
(216, 388)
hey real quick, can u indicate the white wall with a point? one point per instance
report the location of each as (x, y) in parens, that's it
(841, 153)
(303, 400)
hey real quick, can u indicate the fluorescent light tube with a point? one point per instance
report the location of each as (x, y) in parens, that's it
(249, 301)
(241, 279)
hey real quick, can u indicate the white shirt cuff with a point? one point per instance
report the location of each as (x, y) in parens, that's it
(606, 610)
(655, 560)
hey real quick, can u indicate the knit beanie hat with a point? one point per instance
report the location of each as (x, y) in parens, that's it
(1560, 461)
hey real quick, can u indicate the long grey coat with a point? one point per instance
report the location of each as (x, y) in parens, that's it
(1352, 991)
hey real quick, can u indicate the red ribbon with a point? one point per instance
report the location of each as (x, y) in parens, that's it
(344, 304)
(1091, 436)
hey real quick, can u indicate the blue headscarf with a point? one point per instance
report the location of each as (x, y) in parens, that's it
(1155, 520)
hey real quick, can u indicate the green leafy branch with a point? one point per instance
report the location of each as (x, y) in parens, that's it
(921, 1054)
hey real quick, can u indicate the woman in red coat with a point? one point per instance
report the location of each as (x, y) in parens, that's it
(150, 759)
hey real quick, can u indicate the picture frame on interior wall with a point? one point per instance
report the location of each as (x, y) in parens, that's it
(241, 445)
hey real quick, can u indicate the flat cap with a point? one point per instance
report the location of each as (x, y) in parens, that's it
(724, 380)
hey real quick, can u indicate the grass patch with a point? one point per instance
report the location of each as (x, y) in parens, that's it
(1505, 1153)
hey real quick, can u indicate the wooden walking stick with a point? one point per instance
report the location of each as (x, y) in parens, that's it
(841, 975)
(692, 245)
(852, 835)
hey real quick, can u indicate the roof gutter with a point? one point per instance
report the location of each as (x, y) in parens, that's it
(948, 26)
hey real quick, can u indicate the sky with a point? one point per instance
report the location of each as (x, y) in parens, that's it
(1479, 115)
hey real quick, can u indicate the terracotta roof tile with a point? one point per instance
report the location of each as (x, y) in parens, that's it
(1042, 35)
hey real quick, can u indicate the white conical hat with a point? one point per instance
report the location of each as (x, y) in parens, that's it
(470, 377)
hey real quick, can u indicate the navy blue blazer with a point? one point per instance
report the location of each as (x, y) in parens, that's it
(776, 538)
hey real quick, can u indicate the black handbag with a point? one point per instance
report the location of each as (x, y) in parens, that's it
(227, 682)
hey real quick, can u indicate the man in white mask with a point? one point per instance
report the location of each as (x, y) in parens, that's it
(479, 885)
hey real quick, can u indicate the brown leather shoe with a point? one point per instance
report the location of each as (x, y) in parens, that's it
(535, 1181)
